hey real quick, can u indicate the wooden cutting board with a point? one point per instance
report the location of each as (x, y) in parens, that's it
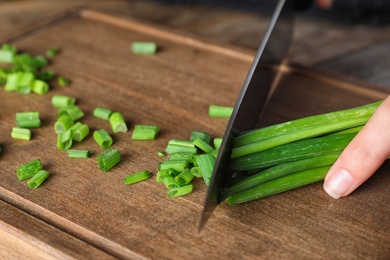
(86, 213)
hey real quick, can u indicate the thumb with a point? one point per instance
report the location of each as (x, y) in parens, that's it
(363, 155)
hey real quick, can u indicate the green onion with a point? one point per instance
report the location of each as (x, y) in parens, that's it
(172, 172)
(279, 185)
(180, 146)
(160, 154)
(220, 111)
(145, 48)
(28, 119)
(63, 124)
(177, 165)
(206, 164)
(144, 132)
(217, 142)
(21, 133)
(109, 159)
(28, 170)
(281, 170)
(202, 145)
(6, 56)
(63, 82)
(102, 138)
(13, 81)
(196, 172)
(26, 83)
(196, 134)
(45, 75)
(180, 191)
(64, 140)
(52, 52)
(79, 154)
(102, 113)
(79, 131)
(182, 156)
(184, 178)
(170, 182)
(117, 123)
(298, 150)
(73, 111)
(40, 87)
(137, 177)
(161, 174)
(62, 101)
(313, 126)
(38, 179)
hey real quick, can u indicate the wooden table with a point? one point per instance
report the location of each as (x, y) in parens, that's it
(292, 225)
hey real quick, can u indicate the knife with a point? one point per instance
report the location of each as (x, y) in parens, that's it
(261, 81)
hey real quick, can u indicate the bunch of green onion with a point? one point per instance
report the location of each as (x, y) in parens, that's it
(289, 155)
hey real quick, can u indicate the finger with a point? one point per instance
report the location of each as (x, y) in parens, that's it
(363, 156)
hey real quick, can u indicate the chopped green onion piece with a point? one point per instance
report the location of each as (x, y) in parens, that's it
(102, 138)
(79, 131)
(180, 191)
(182, 156)
(144, 132)
(202, 145)
(177, 165)
(206, 166)
(102, 113)
(28, 119)
(196, 134)
(170, 182)
(62, 101)
(73, 111)
(79, 154)
(63, 123)
(171, 172)
(160, 154)
(21, 133)
(26, 82)
(196, 172)
(217, 142)
(184, 178)
(38, 179)
(180, 146)
(52, 52)
(13, 81)
(220, 111)
(45, 75)
(137, 177)
(145, 48)
(40, 87)
(117, 123)
(161, 174)
(6, 56)
(40, 61)
(109, 159)
(63, 82)
(27, 170)
(64, 140)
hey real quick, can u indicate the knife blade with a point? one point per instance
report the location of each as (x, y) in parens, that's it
(257, 89)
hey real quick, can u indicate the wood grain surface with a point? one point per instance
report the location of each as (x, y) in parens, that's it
(173, 90)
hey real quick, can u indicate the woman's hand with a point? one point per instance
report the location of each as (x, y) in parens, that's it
(363, 156)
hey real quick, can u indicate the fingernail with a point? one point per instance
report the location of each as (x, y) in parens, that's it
(338, 184)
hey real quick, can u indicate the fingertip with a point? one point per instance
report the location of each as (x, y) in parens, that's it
(338, 183)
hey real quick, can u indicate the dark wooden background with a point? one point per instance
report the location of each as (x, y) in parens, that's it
(358, 50)
(349, 47)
